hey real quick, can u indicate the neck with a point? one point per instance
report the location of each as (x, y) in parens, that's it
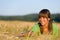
(45, 29)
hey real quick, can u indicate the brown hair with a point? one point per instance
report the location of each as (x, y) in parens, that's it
(45, 13)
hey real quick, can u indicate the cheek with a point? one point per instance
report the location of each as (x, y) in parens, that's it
(45, 20)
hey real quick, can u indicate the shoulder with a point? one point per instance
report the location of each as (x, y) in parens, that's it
(35, 27)
(54, 26)
(55, 29)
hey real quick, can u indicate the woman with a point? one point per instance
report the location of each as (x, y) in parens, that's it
(44, 25)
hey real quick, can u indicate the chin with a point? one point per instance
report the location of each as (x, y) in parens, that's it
(42, 24)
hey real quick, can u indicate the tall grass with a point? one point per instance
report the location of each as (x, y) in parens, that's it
(9, 29)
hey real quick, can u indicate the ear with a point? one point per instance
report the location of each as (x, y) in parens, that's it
(48, 18)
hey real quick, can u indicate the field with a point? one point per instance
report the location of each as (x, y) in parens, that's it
(9, 30)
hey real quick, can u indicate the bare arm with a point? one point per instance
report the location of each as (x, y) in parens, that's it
(24, 34)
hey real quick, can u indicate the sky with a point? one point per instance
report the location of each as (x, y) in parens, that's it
(23, 7)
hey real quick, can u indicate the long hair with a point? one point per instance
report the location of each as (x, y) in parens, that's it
(45, 13)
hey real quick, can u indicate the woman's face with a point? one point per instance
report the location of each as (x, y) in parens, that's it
(44, 20)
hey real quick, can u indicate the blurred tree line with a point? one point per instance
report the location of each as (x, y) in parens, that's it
(29, 17)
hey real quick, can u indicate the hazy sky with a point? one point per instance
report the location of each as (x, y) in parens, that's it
(23, 7)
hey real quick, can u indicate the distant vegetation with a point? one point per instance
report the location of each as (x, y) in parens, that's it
(56, 17)
(29, 17)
